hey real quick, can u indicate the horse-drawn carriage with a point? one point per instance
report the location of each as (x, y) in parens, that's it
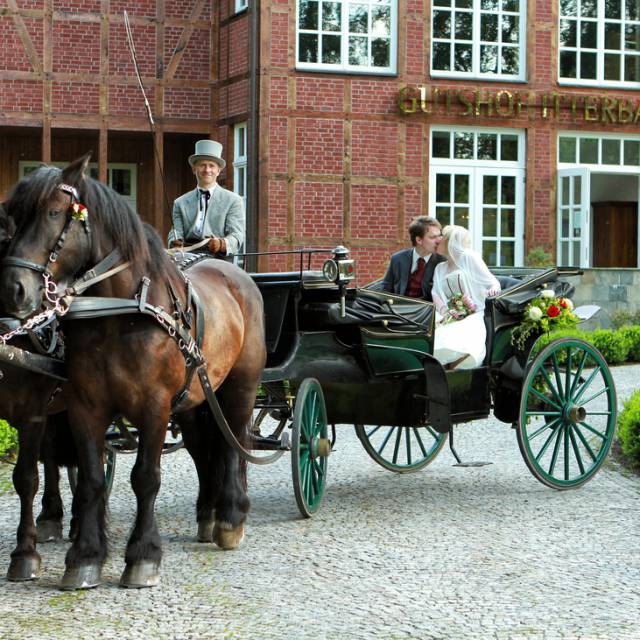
(371, 365)
(322, 354)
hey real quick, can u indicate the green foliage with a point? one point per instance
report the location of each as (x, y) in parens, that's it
(8, 439)
(629, 427)
(538, 258)
(632, 334)
(613, 345)
(624, 317)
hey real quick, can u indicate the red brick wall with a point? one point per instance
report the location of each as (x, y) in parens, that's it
(341, 164)
(76, 65)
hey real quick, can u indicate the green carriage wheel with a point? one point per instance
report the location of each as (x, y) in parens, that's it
(310, 447)
(401, 449)
(567, 413)
(109, 472)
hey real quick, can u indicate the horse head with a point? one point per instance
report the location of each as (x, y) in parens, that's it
(54, 241)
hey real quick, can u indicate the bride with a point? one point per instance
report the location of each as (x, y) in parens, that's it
(460, 285)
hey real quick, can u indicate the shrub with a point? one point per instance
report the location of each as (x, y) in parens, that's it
(538, 257)
(623, 318)
(8, 438)
(632, 333)
(629, 427)
(613, 345)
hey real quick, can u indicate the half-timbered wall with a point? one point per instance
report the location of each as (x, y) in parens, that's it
(68, 85)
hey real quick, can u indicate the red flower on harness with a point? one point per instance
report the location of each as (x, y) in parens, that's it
(553, 311)
(79, 212)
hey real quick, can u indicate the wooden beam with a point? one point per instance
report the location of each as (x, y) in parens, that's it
(103, 151)
(183, 41)
(21, 28)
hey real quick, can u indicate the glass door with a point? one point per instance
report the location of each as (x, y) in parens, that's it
(574, 207)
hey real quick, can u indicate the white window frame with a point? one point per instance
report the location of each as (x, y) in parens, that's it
(23, 165)
(240, 156)
(476, 43)
(600, 50)
(476, 170)
(344, 66)
(241, 5)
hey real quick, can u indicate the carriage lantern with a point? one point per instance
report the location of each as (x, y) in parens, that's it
(341, 270)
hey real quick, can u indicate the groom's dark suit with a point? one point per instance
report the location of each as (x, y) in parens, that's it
(396, 279)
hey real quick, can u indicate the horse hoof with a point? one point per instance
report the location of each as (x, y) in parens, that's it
(205, 531)
(145, 573)
(48, 531)
(86, 576)
(24, 568)
(226, 536)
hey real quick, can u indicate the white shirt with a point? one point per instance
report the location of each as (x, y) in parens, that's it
(199, 223)
(415, 257)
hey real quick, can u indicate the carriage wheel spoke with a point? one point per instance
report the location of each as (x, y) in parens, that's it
(585, 442)
(374, 430)
(586, 384)
(548, 441)
(578, 373)
(593, 397)
(396, 448)
(556, 450)
(556, 372)
(416, 433)
(386, 439)
(565, 435)
(549, 382)
(545, 399)
(567, 386)
(548, 425)
(593, 430)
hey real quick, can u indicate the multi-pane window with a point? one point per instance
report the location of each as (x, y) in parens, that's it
(599, 41)
(240, 159)
(347, 35)
(599, 150)
(121, 177)
(477, 181)
(478, 38)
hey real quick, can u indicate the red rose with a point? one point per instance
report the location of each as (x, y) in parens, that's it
(553, 311)
(563, 303)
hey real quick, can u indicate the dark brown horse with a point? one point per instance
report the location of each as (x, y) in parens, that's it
(24, 402)
(130, 365)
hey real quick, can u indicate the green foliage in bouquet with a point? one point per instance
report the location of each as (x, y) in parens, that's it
(543, 314)
(8, 439)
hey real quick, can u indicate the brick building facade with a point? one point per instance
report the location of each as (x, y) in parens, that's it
(343, 119)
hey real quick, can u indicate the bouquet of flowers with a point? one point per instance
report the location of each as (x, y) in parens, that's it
(459, 306)
(544, 313)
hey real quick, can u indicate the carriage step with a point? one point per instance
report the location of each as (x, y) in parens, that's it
(459, 462)
(271, 443)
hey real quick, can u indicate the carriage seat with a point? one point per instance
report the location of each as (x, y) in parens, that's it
(371, 308)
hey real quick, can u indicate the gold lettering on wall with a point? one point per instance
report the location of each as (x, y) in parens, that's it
(480, 103)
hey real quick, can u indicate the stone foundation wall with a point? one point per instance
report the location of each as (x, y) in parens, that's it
(611, 289)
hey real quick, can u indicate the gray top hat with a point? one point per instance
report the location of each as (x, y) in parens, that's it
(208, 150)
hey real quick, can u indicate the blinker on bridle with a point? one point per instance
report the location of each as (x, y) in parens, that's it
(78, 212)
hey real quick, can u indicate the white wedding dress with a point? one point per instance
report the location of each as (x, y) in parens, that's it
(463, 273)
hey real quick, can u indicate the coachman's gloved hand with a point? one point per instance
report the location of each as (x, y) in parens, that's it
(217, 245)
(176, 244)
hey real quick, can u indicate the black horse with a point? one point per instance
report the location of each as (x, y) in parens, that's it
(131, 365)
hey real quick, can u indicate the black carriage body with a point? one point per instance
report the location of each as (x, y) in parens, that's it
(370, 363)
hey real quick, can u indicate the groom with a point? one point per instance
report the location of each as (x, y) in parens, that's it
(410, 271)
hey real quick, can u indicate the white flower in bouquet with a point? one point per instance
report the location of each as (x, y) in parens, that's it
(547, 293)
(535, 313)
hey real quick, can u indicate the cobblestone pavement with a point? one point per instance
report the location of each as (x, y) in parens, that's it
(447, 552)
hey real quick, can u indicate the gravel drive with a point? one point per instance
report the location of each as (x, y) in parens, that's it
(448, 552)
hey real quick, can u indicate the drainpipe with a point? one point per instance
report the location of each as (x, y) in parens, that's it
(252, 141)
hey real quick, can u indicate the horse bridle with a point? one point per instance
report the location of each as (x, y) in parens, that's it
(12, 261)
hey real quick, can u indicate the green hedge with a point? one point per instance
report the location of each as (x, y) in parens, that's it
(629, 428)
(8, 439)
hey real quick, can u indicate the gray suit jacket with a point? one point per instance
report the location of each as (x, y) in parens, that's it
(224, 218)
(396, 278)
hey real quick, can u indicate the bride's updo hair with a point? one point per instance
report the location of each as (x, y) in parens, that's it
(458, 241)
